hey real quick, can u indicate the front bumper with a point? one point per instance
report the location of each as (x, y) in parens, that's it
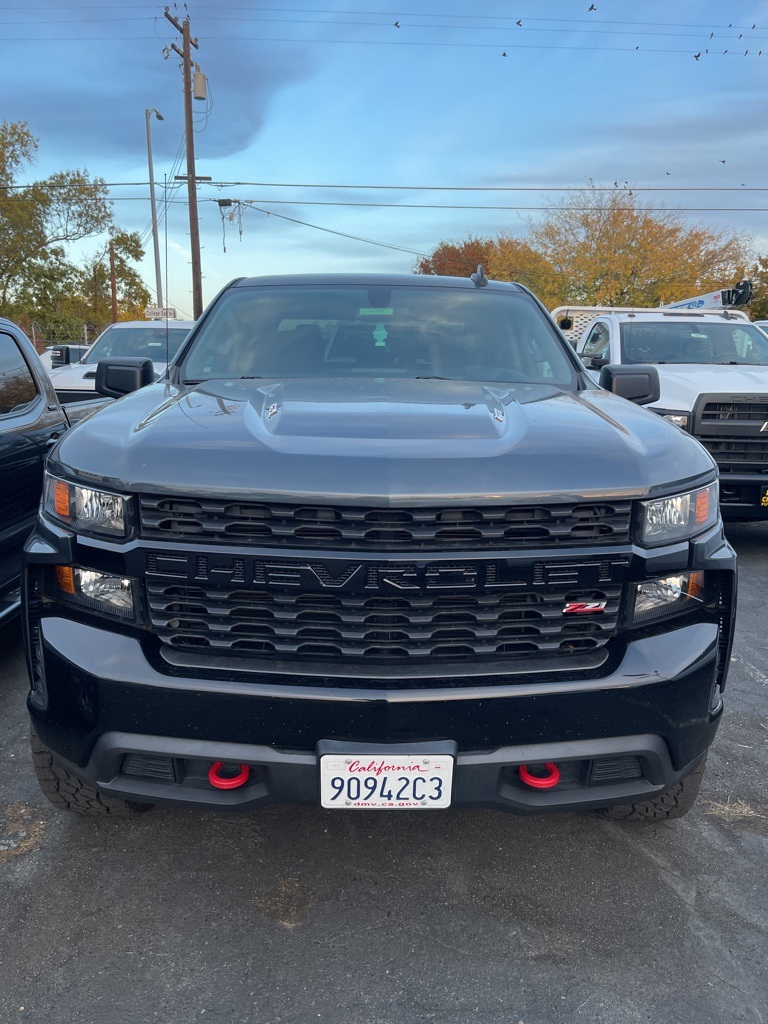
(109, 715)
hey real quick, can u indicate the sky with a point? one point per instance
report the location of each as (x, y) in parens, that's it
(466, 117)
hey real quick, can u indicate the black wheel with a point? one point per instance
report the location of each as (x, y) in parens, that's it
(69, 793)
(674, 802)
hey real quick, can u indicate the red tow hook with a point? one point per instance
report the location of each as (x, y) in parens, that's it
(547, 781)
(227, 781)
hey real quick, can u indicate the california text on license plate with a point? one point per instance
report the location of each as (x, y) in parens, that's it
(392, 782)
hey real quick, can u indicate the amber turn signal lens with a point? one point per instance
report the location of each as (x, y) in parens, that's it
(703, 498)
(695, 584)
(65, 577)
(61, 498)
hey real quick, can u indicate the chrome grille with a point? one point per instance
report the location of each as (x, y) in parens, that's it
(343, 527)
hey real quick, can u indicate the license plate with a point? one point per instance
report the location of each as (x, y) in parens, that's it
(764, 498)
(389, 782)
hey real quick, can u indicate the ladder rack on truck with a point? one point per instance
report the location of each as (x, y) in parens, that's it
(572, 320)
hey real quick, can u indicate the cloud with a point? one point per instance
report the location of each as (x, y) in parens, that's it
(98, 113)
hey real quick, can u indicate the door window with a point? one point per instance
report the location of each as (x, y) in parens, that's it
(596, 345)
(17, 385)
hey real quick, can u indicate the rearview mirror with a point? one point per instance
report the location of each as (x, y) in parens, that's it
(638, 384)
(120, 376)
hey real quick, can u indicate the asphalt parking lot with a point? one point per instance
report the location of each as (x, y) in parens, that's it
(299, 915)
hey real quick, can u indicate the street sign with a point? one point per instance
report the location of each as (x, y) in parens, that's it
(158, 313)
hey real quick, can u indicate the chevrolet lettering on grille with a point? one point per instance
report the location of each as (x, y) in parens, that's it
(340, 575)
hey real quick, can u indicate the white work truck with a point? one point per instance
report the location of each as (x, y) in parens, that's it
(713, 372)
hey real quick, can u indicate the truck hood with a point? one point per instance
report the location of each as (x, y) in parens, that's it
(380, 440)
(682, 384)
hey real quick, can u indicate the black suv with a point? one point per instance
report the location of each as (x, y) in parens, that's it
(378, 542)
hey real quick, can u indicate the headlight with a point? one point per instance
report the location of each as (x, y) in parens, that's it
(666, 520)
(99, 591)
(84, 508)
(680, 419)
(655, 599)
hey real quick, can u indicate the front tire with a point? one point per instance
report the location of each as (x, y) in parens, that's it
(674, 802)
(67, 792)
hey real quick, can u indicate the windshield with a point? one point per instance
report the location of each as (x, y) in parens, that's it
(731, 342)
(138, 341)
(378, 332)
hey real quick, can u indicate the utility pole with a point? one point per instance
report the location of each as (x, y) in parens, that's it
(155, 240)
(194, 227)
(113, 280)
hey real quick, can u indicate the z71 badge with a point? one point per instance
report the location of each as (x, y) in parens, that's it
(584, 607)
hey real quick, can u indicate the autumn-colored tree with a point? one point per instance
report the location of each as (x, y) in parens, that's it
(503, 258)
(514, 260)
(609, 248)
(457, 258)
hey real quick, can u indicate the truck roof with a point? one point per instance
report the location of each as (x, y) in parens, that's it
(581, 316)
(374, 280)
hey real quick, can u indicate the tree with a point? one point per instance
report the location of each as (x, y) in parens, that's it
(503, 258)
(456, 258)
(94, 291)
(514, 260)
(37, 223)
(37, 220)
(758, 275)
(609, 248)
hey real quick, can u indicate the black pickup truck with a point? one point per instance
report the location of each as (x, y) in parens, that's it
(378, 543)
(31, 420)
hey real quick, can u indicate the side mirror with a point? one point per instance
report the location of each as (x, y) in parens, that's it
(120, 376)
(60, 356)
(638, 384)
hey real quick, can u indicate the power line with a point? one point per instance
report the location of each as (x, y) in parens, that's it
(59, 39)
(626, 187)
(330, 231)
(399, 14)
(497, 188)
(247, 14)
(455, 206)
(593, 30)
